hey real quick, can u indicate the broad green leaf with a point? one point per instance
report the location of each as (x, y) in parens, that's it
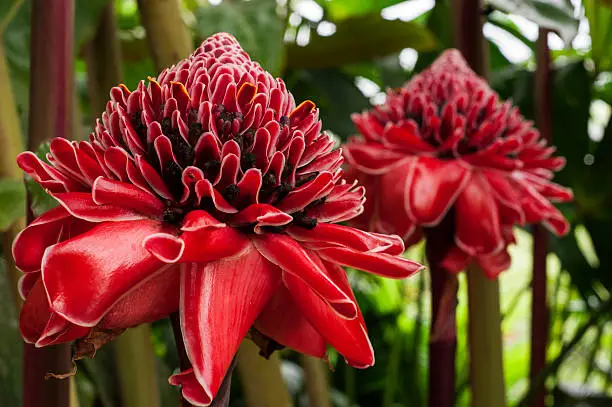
(504, 22)
(340, 9)
(600, 27)
(12, 202)
(360, 39)
(557, 15)
(255, 24)
(334, 93)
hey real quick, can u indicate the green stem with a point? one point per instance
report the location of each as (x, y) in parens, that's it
(168, 36)
(486, 350)
(103, 58)
(136, 368)
(262, 382)
(317, 381)
(393, 368)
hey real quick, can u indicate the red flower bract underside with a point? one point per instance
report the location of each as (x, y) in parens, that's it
(209, 192)
(444, 149)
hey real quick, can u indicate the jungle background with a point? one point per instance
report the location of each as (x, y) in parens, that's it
(343, 54)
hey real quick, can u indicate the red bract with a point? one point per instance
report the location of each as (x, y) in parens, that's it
(209, 192)
(444, 149)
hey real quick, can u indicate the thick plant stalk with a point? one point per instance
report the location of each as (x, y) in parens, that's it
(261, 379)
(486, 350)
(317, 381)
(10, 145)
(51, 79)
(487, 379)
(443, 334)
(539, 304)
(168, 36)
(103, 58)
(134, 354)
(135, 361)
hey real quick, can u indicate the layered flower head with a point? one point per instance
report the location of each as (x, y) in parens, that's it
(209, 192)
(444, 152)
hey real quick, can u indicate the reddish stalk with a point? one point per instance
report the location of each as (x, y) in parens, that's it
(443, 334)
(51, 78)
(539, 305)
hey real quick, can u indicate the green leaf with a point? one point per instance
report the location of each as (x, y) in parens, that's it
(360, 39)
(12, 202)
(254, 23)
(334, 93)
(557, 15)
(342, 9)
(600, 28)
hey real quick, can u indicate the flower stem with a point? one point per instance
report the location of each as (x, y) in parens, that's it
(317, 381)
(168, 37)
(443, 331)
(261, 379)
(136, 368)
(50, 115)
(539, 306)
(103, 58)
(487, 370)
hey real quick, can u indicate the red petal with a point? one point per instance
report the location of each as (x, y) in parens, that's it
(31, 243)
(26, 283)
(300, 197)
(507, 195)
(493, 265)
(372, 158)
(391, 213)
(190, 388)
(349, 337)
(124, 195)
(477, 221)
(282, 321)
(82, 206)
(197, 245)
(381, 264)
(87, 275)
(456, 260)
(405, 135)
(326, 235)
(292, 258)
(199, 219)
(154, 299)
(39, 325)
(214, 323)
(261, 215)
(432, 187)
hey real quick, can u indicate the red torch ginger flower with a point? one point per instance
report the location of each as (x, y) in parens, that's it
(209, 192)
(444, 149)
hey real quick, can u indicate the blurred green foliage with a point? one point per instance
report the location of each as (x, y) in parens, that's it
(330, 66)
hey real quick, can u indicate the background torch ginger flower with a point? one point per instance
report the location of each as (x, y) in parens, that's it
(209, 192)
(444, 152)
